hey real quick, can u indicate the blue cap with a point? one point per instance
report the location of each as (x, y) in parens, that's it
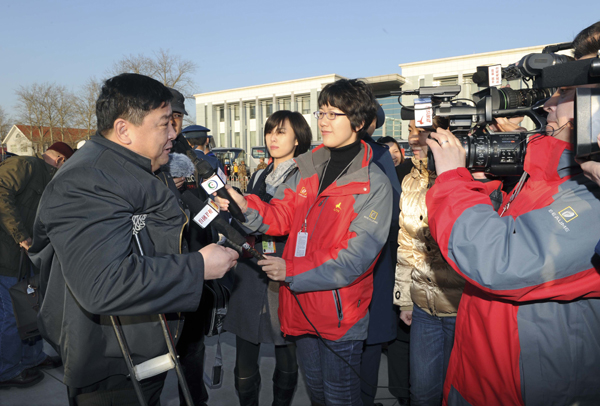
(195, 131)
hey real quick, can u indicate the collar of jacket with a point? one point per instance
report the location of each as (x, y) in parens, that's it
(354, 181)
(131, 156)
(550, 159)
(49, 168)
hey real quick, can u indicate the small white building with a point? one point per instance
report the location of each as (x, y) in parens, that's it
(29, 140)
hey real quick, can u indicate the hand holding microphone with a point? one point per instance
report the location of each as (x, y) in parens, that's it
(235, 197)
(213, 183)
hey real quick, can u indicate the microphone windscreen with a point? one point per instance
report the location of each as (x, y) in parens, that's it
(567, 74)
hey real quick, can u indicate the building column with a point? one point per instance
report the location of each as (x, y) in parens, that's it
(275, 105)
(259, 122)
(243, 127)
(247, 116)
(292, 102)
(201, 114)
(227, 125)
(314, 106)
(210, 120)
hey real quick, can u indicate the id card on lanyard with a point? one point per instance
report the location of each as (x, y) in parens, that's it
(302, 241)
(268, 244)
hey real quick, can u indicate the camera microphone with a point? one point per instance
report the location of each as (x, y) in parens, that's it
(206, 172)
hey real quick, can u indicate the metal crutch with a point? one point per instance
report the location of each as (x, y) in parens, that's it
(156, 365)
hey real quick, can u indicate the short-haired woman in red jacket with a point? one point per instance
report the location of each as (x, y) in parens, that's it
(337, 211)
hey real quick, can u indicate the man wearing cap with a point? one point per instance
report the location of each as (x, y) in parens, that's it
(22, 181)
(178, 107)
(197, 136)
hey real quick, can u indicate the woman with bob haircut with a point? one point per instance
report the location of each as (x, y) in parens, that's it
(252, 314)
(336, 210)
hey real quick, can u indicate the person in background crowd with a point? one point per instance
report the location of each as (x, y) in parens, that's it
(117, 230)
(252, 314)
(427, 289)
(178, 107)
(197, 136)
(394, 149)
(403, 166)
(261, 164)
(382, 315)
(22, 181)
(235, 171)
(337, 211)
(528, 325)
(243, 173)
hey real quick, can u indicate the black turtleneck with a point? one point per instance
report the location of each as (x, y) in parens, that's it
(340, 158)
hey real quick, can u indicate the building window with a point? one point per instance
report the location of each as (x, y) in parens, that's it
(236, 138)
(269, 108)
(252, 110)
(284, 103)
(236, 111)
(221, 114)
(303, 104)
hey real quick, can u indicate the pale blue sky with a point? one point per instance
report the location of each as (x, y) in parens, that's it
(242, 43)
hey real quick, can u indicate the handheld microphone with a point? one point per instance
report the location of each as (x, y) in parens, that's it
(206, 171)
(205, 216)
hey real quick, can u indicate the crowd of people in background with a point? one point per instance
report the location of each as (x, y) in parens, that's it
(476, 299)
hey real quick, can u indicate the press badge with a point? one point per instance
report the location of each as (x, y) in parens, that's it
(301, 243)
(268, 244)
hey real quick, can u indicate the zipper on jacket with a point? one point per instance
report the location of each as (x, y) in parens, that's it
(338, 306)
(321, 204)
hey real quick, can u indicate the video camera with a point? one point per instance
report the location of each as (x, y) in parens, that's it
(503, 154)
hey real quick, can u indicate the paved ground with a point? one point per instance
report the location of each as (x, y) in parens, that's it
(51, 391)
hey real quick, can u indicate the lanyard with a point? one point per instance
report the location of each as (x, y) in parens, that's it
(515, 191)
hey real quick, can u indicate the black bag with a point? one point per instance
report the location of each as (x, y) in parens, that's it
(213, 305)
(26, 300)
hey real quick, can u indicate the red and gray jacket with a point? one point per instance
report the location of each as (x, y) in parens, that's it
(347, 225)
(528, 324)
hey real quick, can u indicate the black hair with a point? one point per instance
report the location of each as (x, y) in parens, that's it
(131, 97)
(198, 140)
(388, 139)
(441, 122)
(587, 41)
(355, 98)
(298, 124)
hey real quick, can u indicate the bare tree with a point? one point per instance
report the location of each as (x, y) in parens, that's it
(5, 124)
(85, 106)
(64, 103)
(29, 109)
(171, 70)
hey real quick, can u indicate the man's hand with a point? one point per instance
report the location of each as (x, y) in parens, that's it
(406, 316)
(503, 124)
(179, 182)
(26, 244)
(274, 267)
(238, 198)
(217, 260)
(448, 152)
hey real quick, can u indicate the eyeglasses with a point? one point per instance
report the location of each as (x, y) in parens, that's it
(331, 115)
(177, 115)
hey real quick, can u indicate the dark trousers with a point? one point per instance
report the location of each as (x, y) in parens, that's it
(190, 349)
(246, 357)
(398, 353)
(369, 371)
(117, 391)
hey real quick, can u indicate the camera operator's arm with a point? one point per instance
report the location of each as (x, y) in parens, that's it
(535, 256)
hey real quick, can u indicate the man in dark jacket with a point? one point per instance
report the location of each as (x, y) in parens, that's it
(108, 234)
(22, 181)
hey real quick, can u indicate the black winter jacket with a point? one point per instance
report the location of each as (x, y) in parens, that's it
(84, 240)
